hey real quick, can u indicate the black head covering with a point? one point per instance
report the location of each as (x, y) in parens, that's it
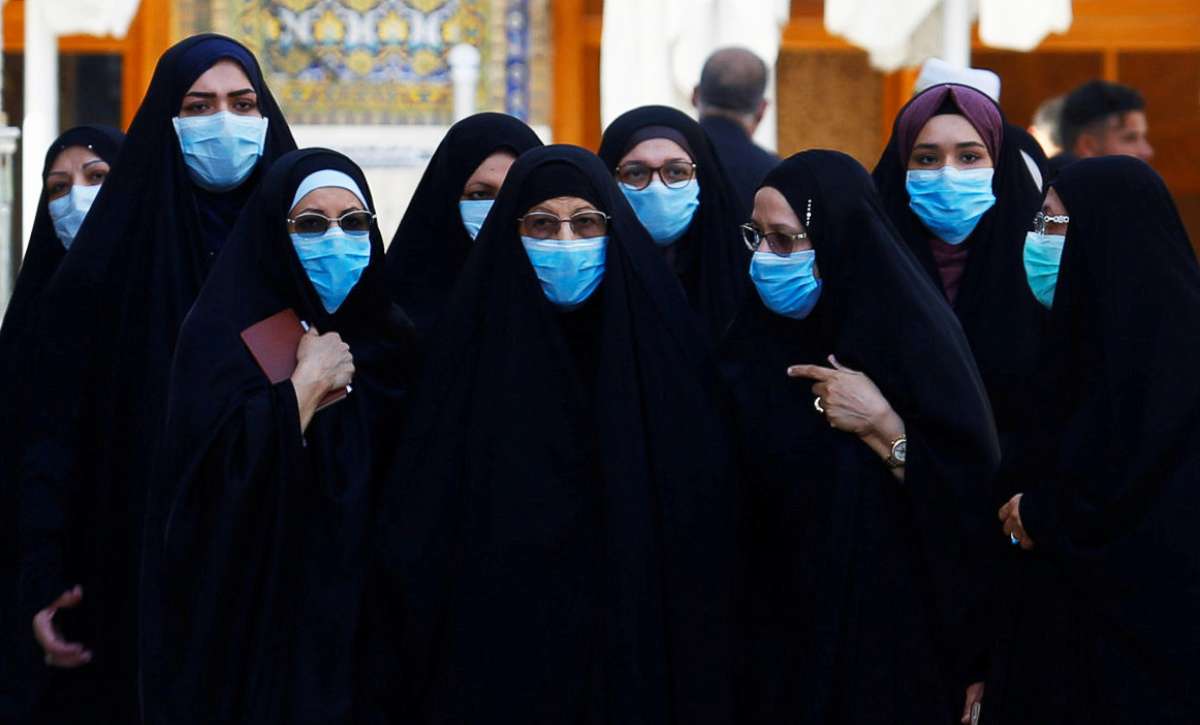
(17, 335)
(1002, 320)
(859, 585)
(557, 541)
(1117, 500)
(255, 532)
(115, 306)
(431, 245)
(709, 258)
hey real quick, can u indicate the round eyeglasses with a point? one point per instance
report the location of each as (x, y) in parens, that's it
(675, 174)
(585, 224)
(779, 243)
(1041, 220)
(311, 224)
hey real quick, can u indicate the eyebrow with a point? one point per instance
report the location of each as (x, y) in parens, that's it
(673, 160)
(210, 94)
(961, 145)
(93, 161)
(58, 173)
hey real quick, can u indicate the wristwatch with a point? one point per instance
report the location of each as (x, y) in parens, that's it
(899, 452)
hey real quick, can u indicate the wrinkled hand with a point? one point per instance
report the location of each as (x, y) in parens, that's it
(323, 363)
(59, 652)
(1010, 516)
(972, 704)
(851, 400)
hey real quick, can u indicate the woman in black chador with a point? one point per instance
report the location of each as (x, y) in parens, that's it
(666, 168)
(558, 537)
(955, 184)
(76, 165)
(261, 504)
(867, 489)
(1117, 495)
(448, 209)
(112, 312)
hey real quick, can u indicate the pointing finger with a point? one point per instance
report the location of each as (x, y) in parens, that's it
(812, 372)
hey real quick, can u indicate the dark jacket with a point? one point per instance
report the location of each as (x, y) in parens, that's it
(745, 163)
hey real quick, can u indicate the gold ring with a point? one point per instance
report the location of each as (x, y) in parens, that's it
(817, 405)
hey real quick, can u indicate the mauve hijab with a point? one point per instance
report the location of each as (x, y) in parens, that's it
(972, 105)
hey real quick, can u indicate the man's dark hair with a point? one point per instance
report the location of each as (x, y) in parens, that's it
(1095, 103)
(733, 79)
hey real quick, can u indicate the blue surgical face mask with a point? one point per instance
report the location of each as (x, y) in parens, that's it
(1043, 255)
(665, 212)
(222, 149)
(68, 212)
(474, 212)
(334, 262)
(570, 271)
(788, 285)
(950, 202)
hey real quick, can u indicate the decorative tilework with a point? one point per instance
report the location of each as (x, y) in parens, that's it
(376, 61)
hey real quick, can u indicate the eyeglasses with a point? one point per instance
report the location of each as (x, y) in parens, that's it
(1041, 220)
(585, 224)
(779, 243)
(312, 224)
(675, 174)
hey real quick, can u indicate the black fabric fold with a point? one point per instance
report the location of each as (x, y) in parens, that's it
(256, 536)
(111, 312)
(859, 586)
(557, 541)
(710, 259)
(431, 245)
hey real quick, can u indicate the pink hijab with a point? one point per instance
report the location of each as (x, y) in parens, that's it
(977, 108)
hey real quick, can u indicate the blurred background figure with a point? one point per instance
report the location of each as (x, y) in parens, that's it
(1101, 118)
(730, 100)
(1046, 125)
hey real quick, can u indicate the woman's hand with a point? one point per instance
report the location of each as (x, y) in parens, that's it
(59, 652)
(1010, 516)
(323, 363)
(972, 704)
(852, 403)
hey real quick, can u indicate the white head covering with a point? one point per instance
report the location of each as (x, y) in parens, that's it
(936, 71)
(326, 178)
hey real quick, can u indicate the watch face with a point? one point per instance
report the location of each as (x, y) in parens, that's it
(900, 451)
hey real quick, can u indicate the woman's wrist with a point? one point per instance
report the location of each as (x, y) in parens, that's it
(884, 430)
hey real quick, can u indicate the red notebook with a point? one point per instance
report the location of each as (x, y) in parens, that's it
(273, 343)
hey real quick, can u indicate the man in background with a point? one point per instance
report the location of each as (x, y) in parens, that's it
(1046, 126)
(730, 101)
(1100, 118)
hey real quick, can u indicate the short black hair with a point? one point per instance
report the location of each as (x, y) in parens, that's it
(733, 79)
(1093, 102)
